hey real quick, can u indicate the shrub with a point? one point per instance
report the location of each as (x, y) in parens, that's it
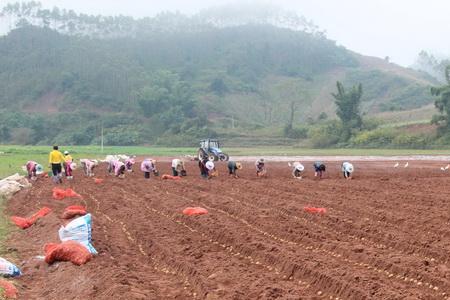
(295, 133)
(374, 138)
(326, 135)
(411, 141)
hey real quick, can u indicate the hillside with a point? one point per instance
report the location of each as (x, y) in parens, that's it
(175, 86)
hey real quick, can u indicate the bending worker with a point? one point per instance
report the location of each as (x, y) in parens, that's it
(148, 167)
(33, 169)
(319, 169)
(129, 164)
(211, 169)
(347, 170)
(260, 168)
(233, 167)
(298, 168)
(202, 167)
(88, 166)
(117, 167)
(178, 168)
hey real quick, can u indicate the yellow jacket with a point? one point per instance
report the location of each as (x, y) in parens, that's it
(56, 157)
(68, 158)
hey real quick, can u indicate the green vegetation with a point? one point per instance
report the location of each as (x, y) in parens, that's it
(348, 110)
(173, 79)
(443, 104)
(378, 85)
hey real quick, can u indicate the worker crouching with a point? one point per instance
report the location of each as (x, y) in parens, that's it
(178, 168)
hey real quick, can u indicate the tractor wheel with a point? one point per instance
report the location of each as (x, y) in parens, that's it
(201, 154)
(213, 157)
(224, 157)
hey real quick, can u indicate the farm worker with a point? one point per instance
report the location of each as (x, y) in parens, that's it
(211, 169)
(298, 168)
(233, 167)
(148, 166)
(88, 166)
(202, 167)
(68, 160)
(319, 169)
(129, 162)
(33, 169)
(260, 167)
(56, 158)
(347, 170)
(117, 167)
(178, 168)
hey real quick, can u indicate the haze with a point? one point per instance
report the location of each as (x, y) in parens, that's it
(399, 29)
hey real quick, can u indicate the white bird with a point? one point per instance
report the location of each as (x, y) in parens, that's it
(447, 167)
(442, 169)
(407, 164)
(396, 165)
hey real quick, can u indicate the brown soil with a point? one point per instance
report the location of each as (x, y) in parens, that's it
(384, 236)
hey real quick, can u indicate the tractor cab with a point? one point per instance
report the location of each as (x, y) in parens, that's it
(210, 149)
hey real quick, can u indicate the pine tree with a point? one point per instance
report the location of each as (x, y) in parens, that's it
(347, 108)
(443, 103)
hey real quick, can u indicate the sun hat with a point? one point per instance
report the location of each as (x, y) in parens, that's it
(66, 152)
(299, 167)
(349, 168)
(210, 165)
(39, 169)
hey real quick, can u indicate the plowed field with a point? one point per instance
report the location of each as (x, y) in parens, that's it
(385, 236)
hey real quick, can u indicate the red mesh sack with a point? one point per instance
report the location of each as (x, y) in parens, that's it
(194, 211)
(25, 223)
(170, 177)
(74, 211)
(71, 193)
(315, 210)
(60, 194)
(67, 251)
(9, 290)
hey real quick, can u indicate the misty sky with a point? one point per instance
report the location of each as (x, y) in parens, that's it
(395, 28)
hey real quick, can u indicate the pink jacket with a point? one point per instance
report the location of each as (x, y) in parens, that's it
(89, 164)
(147, 166)
(117, 165)
(129, 163)
(31, 165)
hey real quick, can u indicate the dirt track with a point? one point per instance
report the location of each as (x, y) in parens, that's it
(385, 236)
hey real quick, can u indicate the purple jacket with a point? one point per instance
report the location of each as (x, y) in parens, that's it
(147, 166)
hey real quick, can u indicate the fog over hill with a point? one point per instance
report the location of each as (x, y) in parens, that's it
(173, 77)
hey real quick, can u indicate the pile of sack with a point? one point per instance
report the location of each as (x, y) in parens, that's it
(12, 184)
(7, 288)
(76, 241)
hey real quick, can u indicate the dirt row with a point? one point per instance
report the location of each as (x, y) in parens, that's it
(385, 236)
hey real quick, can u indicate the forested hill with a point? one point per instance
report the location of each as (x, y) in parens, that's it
(63, 76)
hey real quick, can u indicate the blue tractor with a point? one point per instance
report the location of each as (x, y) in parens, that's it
(210, 149)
